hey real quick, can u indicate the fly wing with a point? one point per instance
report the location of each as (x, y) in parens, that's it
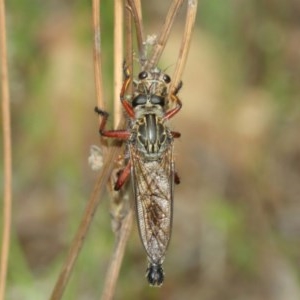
(153, 192)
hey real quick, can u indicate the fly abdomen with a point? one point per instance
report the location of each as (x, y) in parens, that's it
(151, 133)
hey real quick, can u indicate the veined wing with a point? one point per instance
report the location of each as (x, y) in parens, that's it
(153, 191)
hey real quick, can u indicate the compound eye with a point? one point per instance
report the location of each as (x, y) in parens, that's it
(167, 78)
(139, 100)
(143, 75)
(157, 100)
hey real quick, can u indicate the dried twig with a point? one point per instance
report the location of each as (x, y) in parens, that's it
(185, 43)
(164, 34)
(120, 208)
(103, 177)
(98, 77)
(97, 54)
(118, 58)
(85, 224)
(135, 8)
(117, 257)
(7, 197)
(128, 44)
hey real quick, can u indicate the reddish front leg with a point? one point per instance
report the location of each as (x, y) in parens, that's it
(118, 134)
(122, 177)
(126, 82)
(174, 111)
(170, 114)
(175, 98)
(176, 178)
(175, 134)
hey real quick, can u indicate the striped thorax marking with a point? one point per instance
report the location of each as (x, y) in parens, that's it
(151, 134)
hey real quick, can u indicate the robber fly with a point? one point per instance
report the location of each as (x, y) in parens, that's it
(151, 161)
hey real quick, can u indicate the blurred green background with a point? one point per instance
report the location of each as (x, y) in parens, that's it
(236, 232)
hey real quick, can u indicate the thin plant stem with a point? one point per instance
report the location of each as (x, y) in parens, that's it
(117, 257)
(135, 8)
(164, 34)
(7, 156)
(98, 77)
(186, 41)
(121, 211)
(118, 58)
(128, 44)
(103, 177)
(85, 224)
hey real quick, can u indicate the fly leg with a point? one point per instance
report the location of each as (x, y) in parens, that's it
(122, 177)
(178, 102)
(176, 178)
(118, 134)
(174, 111)
(170, 114)
(125, 85)
(176, 134)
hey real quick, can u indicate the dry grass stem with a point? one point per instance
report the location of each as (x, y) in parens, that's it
(129, 44)
(97, 54)
(186, 41)
(117, 257)
(118, 58)
(164, 34)
(85, 224)
(120, 210)
(103, 177)
(135, 8)
(7, 157)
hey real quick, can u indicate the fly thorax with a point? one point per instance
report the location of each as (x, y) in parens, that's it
(151, 134)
